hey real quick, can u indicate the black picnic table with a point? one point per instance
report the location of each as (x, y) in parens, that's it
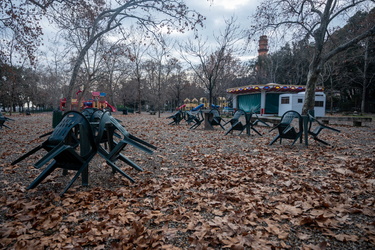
(236, 124)
(4, 119)
(78, 138)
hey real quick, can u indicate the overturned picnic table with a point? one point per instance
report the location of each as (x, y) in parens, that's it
(4, 119)
(248, 124)
(303, 129)
(78, 138)
(356, 120)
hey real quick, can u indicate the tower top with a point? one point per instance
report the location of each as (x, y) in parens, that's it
(263, 46)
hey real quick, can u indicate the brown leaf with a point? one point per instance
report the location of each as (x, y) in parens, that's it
(346, 237)
(288, 209)
(303, 236)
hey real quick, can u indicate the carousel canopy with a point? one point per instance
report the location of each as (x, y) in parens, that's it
(270, 87)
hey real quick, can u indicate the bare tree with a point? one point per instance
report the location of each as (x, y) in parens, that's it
(212, 58)
(313, 19)
(177, 85)
(20, 29)
(159, 54)
(367, 75)
(233, 70)
(136, 49)
(363, 51)
(353, 69)
(21, 20)
(91, 71)
(115, 69)
(152, 15)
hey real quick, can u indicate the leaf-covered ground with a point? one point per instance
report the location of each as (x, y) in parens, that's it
(199, 190)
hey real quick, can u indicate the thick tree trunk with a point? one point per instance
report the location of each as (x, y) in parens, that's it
(365, 76)
(210, 102)
(79, 62)
(81, 57)
(139, 96)
(210, 88)
(331, 97)
(363, 102)
(111, 94)
(312, 78)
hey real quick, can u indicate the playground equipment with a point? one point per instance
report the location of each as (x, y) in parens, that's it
(181, 107)
(98, 101)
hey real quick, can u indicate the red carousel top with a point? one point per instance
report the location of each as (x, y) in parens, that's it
(270, 87)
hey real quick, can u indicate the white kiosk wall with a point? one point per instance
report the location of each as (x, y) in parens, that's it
(295, 102)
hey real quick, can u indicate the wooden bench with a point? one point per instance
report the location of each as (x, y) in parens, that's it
(152, 112)
(269, 119)
(357, 121)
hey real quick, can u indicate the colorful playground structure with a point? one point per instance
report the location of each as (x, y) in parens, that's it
(98, 101)
(192, 103)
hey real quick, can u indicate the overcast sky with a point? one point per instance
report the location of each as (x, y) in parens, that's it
(215, 11)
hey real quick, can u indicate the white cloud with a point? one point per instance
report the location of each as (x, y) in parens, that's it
(232, 4)
(215, 11)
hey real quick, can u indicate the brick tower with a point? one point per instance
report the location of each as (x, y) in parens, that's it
(263, 46)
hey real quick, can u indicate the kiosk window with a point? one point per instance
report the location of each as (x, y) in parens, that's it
(284, 100)
(319, 104)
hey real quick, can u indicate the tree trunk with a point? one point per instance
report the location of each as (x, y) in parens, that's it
(139, 96)
(110, 87)
(79, 61)
(312, 78)
(210, 98)
(159, 103)
(210, 88)
(81, 57)
(331, 97)
(365, 76)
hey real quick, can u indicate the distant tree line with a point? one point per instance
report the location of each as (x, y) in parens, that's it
(348, 78)
(139, 70)
(315, 23)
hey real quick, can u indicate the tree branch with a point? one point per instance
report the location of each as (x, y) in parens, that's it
(340, 11)
(329, 55)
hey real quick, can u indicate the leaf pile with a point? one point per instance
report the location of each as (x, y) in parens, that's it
(199, 190)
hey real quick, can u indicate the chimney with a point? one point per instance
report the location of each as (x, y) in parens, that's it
(263, 46)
